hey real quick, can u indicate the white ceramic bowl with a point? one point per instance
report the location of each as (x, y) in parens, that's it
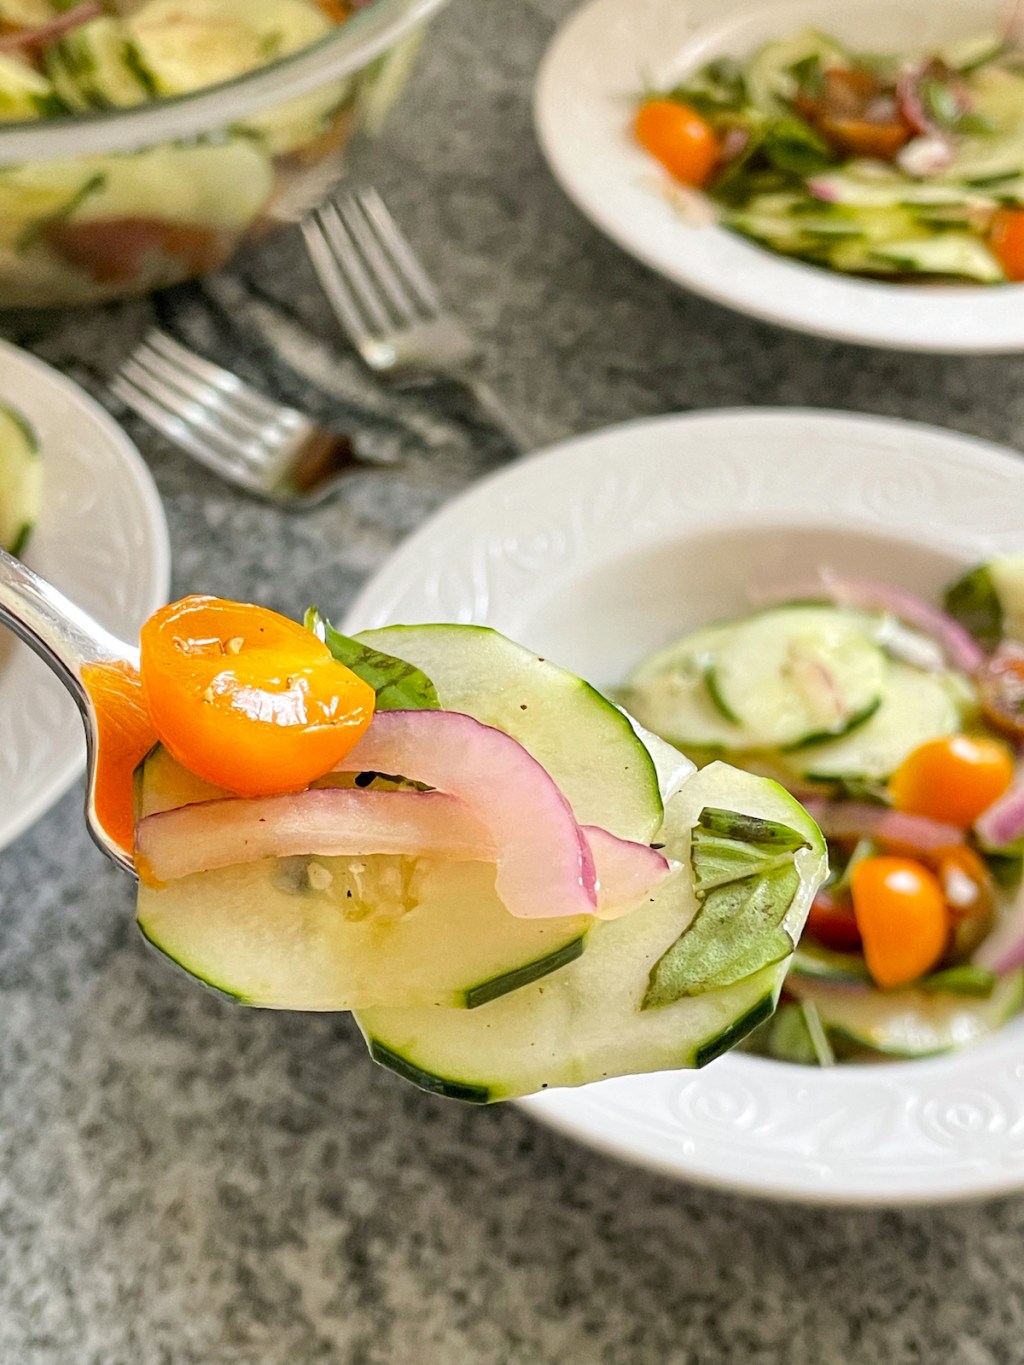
(598, 551)
(610, 50)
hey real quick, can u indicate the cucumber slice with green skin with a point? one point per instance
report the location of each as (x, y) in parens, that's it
(587, 1021)
(21, 480)
(813, 963)
(796, 674)
(916, 706)
(96, 66)
(669, 693)
(586, 744)
(24, 93)
(959, 254)
(317, 933)
(911, 1023)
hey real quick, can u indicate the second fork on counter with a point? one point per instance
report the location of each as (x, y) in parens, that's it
(267, 448)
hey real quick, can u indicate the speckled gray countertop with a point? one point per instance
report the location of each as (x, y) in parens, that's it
(186, 1183)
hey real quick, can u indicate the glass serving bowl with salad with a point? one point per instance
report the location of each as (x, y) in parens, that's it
(142, 141)
(894, 165)
(899, 725)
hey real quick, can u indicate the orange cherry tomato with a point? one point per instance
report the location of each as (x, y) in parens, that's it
(248, 699)
(1007, 241)
(679, 138)
(902, 917)
(970, 896)
(124, 736)
(952, 779)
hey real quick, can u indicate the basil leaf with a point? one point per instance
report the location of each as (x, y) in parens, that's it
(972, 600)
(399, 686)
(793, 145)
(967, 979)
(745, 886)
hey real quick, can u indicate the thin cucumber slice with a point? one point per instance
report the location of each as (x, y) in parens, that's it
(916, 706)
(669, 693)
(24, 93)
(21, 480)
(796, 674)
(587, 745)
(96, 66)
(334, 933)
(959, 254)
(911, 1023)
(587, 1022)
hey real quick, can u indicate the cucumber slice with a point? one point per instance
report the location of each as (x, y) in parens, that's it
(989, 601)
(586, 1022)
(668, 692)
(911, 1023)
(796, 674)
(332, 933)
(21, 480)
(96, 66)
(24, 93)
(947, 253)
(916, 706)
(587, 745)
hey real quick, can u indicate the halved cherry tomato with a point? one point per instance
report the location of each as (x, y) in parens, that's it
(124, 735)
(970, 898)
(832, 923)
(952, 779)
(248, 699)
(902, 916)
(1000, 683)
(679, 138)
(1007, 241)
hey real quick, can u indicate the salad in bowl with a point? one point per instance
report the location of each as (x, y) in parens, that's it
(898, 723)
(900, 166)
(142, 142)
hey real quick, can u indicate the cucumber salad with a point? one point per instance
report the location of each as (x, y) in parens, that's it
(21, 480)
(900, 727)
(81, 229)
(901, 167)
(508, 882)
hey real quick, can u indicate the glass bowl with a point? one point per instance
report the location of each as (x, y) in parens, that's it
(106, 204)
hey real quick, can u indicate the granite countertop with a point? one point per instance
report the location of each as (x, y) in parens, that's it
(186, 1183)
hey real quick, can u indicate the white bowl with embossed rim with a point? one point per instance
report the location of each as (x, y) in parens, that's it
(102, 539)
(608, 51)
(600, 549)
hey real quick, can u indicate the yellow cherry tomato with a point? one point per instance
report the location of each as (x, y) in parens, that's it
(902, 917)
(248, 699)
(1007, 241)
(952, 779)
(679, 138)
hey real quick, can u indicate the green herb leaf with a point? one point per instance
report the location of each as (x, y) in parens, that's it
(399, 686)
(745, 878)
(972, 600)
(792, 145)
(966, 979)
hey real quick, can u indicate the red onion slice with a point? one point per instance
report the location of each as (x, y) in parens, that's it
(895, 829)
(960, 648)
(1003, 822)
(1003, 951)
(35, 37)
(627, 872)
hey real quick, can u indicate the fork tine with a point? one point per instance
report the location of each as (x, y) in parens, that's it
(221, 460)
(399, 248)
(222, 380)
(176, 389)
(403, 301)
(349, 275)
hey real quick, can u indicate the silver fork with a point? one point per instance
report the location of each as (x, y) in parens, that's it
(264, 447)
(389, 307)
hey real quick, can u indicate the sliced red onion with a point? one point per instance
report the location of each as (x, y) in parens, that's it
(35, 37)
(908, 99)
(821, 187)
(627, 872)
(545, 867)
(733, 143)
(859, 820)
(1003, 951)
(923, 157)
(960, 648)
(335, 822)
(1003, 822)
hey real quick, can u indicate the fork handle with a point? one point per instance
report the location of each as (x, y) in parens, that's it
(518, 432)
(62, 634)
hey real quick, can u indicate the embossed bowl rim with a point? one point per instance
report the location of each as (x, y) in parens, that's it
(600, 548)
(608, 51)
